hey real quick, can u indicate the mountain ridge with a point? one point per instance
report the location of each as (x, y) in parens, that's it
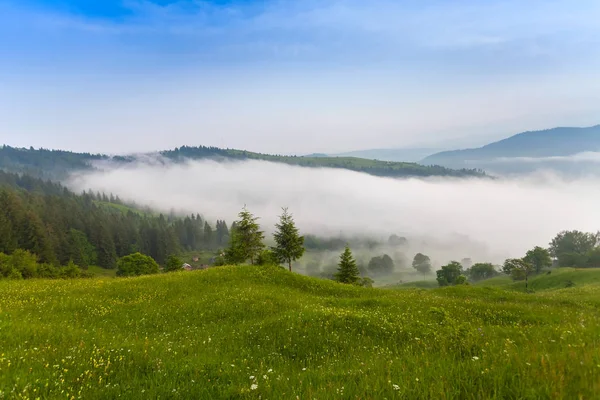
(59, 164)
(553, 142)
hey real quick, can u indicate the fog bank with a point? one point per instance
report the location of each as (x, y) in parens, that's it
(478, 218)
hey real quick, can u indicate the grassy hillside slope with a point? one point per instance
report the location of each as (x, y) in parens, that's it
(249, 332)
(557, 279)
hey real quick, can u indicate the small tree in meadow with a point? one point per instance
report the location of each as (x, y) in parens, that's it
(245, 240)
(481, 271)
(450, 274)
(383, 265)
(347, 269)
(519, 269)
(267, 257)
(422, 263)
(174, 263)
(136, 264)
(289, 244)
(539, 258)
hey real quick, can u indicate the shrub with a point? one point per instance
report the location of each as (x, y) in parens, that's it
(136, 264)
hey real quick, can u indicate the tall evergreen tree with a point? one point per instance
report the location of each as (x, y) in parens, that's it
(234, 253)
(208, 235)
(246, 240)
(222, 233)
(289, 244)
(7, 241)
(347, 270)
(107, 255)
(81, 251)
(35, 239)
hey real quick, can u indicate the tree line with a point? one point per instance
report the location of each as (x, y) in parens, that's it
(58, 164)
(59, 226)
(574, 249)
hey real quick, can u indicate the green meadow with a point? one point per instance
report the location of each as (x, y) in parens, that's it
(261, 332)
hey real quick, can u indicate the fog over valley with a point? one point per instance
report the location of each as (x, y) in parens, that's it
(484, 219)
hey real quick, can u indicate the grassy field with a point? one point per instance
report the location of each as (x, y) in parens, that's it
(251, 332)
(101, 272)
(557, 279)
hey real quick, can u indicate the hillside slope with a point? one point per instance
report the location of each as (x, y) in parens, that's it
(57, 165)
(558, 278)
(406, 155)
(249, 332)
(557, 142)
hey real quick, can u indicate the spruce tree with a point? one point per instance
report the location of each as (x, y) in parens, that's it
(106, 256)
(7, 241)
(246, 240)
(208, 235)
(233, 253)
(289, 244)
(347, 269)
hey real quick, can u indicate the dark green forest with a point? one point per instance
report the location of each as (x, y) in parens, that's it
(59, 226)
(59, 164)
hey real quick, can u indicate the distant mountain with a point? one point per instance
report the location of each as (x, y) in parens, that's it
(550, 149)
(406, 155)
(58, 165)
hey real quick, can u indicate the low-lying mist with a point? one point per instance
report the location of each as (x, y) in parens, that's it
(484, 219)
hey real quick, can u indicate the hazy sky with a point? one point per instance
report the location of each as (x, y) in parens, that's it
(293, 76)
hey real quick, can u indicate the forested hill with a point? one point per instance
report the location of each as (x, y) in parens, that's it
(59, 226)
(57, 164)
(372, 167)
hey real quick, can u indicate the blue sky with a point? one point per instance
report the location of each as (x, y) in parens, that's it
(293, 76)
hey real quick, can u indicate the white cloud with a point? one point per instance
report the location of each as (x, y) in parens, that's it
(589, 156)
(482, 219)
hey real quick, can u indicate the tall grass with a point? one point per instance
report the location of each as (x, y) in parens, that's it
(250, 332)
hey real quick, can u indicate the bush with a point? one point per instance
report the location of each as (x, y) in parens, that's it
(449, 274)
(23, 265)
(267, 257)
(174, 263)
(136, 264)
(366, 282)
(71, 271)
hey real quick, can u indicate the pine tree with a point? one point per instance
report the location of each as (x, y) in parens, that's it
(208, 235)
(233, 253)
(107, 256)
(347, 269)
(7, 241)
(289, 244)
(245, 242)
